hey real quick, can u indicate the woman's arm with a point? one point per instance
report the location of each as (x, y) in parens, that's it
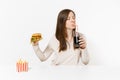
(42, 55)
(84, 56)
(83, 50)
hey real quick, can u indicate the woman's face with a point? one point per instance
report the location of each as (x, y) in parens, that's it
(71, 22)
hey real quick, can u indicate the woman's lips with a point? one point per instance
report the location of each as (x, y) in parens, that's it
(74, 25)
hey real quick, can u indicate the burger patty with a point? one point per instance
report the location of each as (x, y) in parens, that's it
(36, 37)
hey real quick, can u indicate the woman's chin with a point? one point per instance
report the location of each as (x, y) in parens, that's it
(73, 27)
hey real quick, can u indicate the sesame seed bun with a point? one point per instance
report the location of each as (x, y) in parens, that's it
(36, 37)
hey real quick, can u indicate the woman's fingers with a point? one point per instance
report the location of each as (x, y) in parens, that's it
(81, 40)
(82, 43)
(34, 43)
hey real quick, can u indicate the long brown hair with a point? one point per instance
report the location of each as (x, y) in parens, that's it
(61, 32)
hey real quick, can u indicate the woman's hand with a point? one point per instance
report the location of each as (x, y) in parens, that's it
(35, 43)
(82, 42)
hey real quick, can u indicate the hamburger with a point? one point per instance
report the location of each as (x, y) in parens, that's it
(36, 37)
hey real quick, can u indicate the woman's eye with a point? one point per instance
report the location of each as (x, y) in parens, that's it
(68, 18)
(73, 18)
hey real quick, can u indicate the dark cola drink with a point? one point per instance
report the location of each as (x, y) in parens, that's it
(76, 40)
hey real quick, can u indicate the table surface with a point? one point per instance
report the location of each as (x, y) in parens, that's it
(45, 72)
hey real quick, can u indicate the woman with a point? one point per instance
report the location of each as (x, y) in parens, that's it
(62, 43)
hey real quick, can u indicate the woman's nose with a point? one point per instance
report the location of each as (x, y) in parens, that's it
(73, 21)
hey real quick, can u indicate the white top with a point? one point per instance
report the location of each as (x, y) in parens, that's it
(70, 56)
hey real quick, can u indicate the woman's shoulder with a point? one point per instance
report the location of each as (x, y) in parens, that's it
(53, 41)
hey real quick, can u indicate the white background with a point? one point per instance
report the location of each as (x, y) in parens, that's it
(99, 20)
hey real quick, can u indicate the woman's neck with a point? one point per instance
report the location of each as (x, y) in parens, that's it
(69, 35)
